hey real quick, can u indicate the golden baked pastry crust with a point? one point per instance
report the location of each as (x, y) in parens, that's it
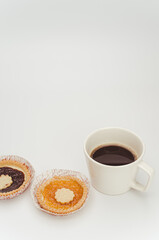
(46, 194)
(19, 166)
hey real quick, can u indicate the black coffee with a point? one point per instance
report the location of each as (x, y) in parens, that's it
(113, 155)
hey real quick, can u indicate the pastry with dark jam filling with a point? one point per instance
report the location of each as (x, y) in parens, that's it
(14, 176)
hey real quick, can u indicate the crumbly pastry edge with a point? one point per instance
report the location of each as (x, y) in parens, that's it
(20, 165)
(77, 206)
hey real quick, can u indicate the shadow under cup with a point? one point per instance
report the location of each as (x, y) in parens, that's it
(114, 179)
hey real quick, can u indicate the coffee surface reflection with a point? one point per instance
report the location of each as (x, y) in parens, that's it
(113, 155)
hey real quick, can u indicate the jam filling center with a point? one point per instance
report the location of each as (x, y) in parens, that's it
(17, 177)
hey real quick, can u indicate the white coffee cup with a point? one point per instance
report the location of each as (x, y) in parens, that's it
(114, 180)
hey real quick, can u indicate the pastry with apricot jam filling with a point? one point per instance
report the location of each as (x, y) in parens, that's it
(62, 194)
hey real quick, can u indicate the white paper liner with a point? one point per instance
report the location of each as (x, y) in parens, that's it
(50, 174)
(30, 168)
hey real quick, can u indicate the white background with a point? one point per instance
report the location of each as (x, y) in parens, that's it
(66, 69)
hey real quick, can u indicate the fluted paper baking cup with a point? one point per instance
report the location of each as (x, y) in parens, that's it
(25, 186)
(49, 174)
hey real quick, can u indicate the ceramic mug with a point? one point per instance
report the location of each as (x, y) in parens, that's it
(114, 180)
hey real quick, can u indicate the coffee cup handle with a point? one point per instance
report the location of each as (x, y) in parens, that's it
(138, 186)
